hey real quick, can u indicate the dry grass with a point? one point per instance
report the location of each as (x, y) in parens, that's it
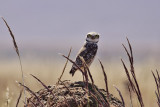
(105, 77)
(133, 83)
(85, 72)
(44, 70)
(65, 66)
(17, 51)
(19, 98)
(157, 81)
(133, 87)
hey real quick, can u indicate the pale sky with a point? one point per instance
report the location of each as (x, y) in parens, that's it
(50, 24)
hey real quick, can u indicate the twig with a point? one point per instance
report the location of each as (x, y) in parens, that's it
(65, 65)
(90, 75)
(30, 91)
(120, 96)
(75, 65)
(85, 71)
(19, 98)
(43, 84)
(105, 77)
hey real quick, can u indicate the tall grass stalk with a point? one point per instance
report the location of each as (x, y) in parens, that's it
(64, 66)
(133, 83)
(157, 81)
(17, 51)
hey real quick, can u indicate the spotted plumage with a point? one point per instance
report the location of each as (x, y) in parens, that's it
(88, 51)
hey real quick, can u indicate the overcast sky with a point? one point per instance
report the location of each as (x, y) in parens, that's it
(61, 24)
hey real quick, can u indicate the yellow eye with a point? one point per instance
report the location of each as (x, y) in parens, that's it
(96, 36)
(89, 36)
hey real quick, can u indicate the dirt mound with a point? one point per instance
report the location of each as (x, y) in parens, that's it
(67, 94)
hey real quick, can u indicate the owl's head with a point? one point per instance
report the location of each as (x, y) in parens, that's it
(92, 37)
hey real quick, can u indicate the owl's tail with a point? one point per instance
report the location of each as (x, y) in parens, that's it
(72, 71)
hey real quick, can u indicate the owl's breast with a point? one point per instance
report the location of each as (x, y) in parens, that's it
(91, 47)
(90, 52)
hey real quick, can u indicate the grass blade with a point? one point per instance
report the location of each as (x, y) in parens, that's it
(105, 77)
(33, 93)
(120, 96)
(19, 98)
(65, 65)
(17, 51)
(134, 84)
(42, 84)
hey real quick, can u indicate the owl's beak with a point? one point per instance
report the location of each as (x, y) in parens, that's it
(92, 37)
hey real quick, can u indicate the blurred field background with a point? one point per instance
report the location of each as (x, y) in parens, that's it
(45, 28)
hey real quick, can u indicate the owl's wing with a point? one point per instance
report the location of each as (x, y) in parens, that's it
(77, 61)
(88, 52)
(82, 53)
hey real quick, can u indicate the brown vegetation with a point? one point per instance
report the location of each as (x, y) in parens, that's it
(89, 94)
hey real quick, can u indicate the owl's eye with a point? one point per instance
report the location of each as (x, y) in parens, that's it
(96, 36)
(89, 36)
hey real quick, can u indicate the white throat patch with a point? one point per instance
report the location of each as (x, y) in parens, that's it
(92, 40)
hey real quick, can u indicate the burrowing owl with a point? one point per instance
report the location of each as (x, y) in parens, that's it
(88, 51)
